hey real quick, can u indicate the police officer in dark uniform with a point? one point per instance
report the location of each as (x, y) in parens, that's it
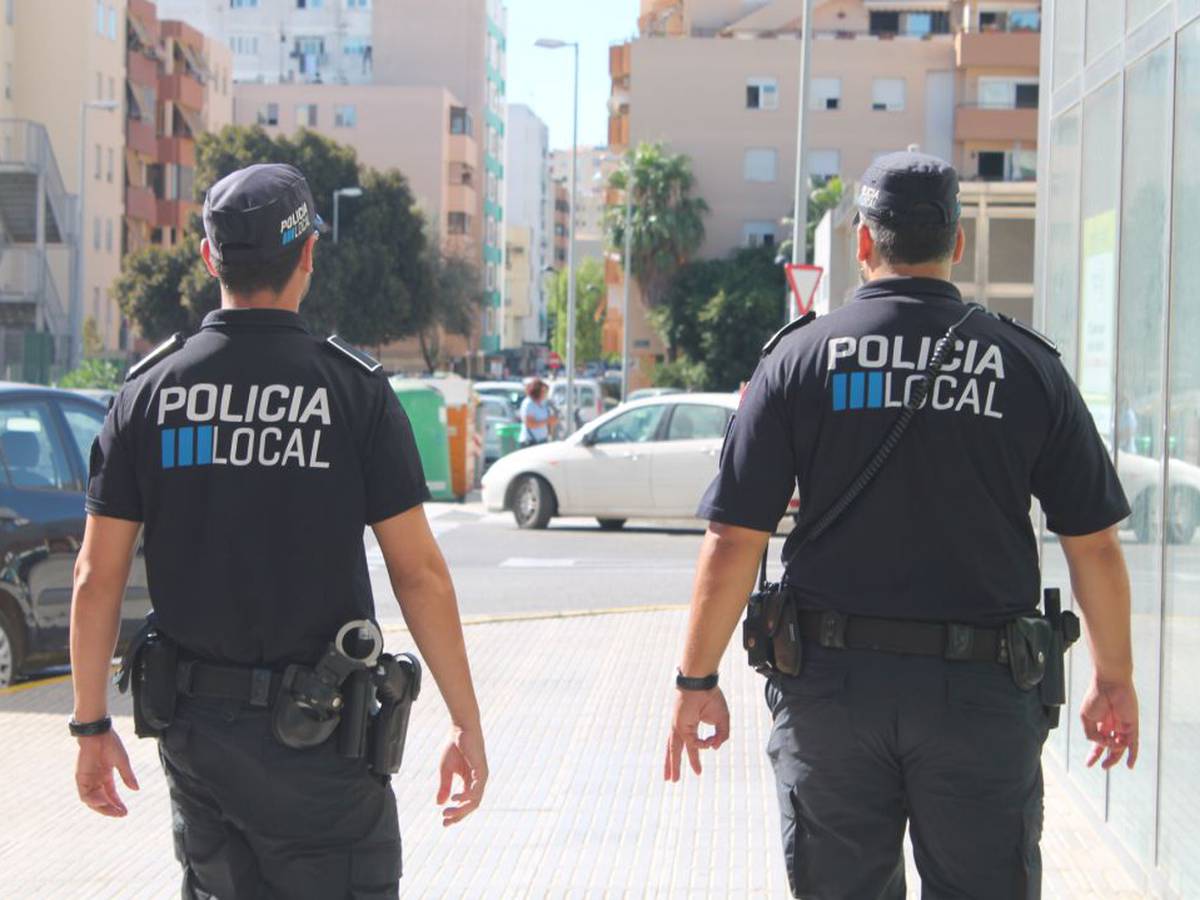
(911, 674)
(254, 454)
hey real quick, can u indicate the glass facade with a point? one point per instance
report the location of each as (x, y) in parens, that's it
(1119, 227)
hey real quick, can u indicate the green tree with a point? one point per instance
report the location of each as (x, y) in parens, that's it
(667, 222)
(371, 287)
(456, 294)
(105, 374)
(590, 309)
(821, 198)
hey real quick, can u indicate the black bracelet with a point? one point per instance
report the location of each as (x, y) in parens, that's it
(707, 683)
(90, 729)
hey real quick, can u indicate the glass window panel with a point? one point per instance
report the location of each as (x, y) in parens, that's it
(1068, 40)
(1138, 11)
(634, 427)
(1103, 26)
(1097, 341)
(1061, 311)
(1139, 411)
(692, 422)
(1009, 259)
(1180, 776)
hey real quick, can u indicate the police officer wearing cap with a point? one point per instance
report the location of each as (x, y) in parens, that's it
(911, 675)
(253, 454)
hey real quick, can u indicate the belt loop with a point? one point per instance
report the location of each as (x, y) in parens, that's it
(833, 630)
(960, 641)
(183, 677)
(260, 688)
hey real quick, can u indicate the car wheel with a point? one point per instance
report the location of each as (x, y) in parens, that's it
(1181, 517)
(10, 649)
(532, 503)
(611, 524)
(1144, 527)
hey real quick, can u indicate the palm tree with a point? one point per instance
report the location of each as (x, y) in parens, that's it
(667, 220)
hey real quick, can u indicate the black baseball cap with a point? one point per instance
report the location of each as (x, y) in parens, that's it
(255, 214)
(909, 188)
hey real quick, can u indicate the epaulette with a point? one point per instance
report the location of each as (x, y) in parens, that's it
(159, 353)
(1030, 332)
(788, 329)
(366, 360)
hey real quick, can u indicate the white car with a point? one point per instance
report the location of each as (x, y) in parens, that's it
(651, 458)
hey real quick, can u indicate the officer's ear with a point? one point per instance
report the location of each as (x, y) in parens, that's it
(206, 255)
(866, 243)
(306, 255)
(960, 245)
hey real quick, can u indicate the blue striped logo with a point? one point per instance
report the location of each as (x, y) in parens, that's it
(190, 446)
(857, 390)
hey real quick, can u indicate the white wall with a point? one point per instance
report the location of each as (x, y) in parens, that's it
(527, 187)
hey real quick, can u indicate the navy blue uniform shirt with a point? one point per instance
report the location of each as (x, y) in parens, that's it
(255, 455)
(944, 532)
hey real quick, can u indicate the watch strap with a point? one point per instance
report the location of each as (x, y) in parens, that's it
(684, 683)
(90, 729)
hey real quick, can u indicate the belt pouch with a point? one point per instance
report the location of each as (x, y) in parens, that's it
(398, 682)
(785, 638)
(1030, 641)
(154, 685)
(306, 711)
(352, 732)
(756, 636)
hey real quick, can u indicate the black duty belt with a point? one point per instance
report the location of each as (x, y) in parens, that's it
(964, 643)
(254, 687)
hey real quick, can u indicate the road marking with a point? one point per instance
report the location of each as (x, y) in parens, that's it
(536, 562)
(30, 685)
(468, 621)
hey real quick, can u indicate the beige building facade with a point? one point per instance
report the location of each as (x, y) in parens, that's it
(595, 166)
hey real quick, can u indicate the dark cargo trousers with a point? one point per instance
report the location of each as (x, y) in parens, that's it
(255, 820)
(865, 742)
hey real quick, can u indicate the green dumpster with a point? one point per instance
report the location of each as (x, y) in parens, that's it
(509, 434)
(427, 412)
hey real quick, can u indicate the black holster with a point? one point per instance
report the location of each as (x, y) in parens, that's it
(771, 632)
(397, 684)
(149, 667)
(1064, 631)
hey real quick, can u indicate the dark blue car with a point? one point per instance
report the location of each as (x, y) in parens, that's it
(45, 438)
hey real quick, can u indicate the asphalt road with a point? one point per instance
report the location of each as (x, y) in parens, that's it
(572, 565)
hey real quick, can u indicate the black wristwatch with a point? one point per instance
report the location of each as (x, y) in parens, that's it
(90, 729)
(707, 683)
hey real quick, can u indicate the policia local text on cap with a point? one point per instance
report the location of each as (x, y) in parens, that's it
(911, 677)
(253, 454)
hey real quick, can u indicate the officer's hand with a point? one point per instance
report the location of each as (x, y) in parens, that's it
(464, 756)
(98, 756)
(692, 708)
(1110, 720)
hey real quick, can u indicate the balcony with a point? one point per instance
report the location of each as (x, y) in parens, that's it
(461, 148)
(175, 213)
(178, 150)
(461, 197)
(182, 89)
(997, 49)
(618, 131)
(141, 204)
(618, 61)
(144, 10)
(140, 137)
(143, 70)
(983, 123)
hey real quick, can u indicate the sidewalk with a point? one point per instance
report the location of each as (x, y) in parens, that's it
(575, 710)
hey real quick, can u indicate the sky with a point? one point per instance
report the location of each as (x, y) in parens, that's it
(541, 79)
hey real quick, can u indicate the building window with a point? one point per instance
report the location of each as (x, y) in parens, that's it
(99, 160)
(309, 4)
(758, 234)
(358, 4)
(100, 18)
(458, 223)
(460, 120)
(762, 93)
(760, 164)
(244, 44)
(354, 47)
(111, 165)
(96, 233)
(824, 164)
(309, 53)
(1010, 20)
(268, 114)
(1008, 93)
(112, 89)
(95, 303)
(108, 235)
(8, 10)
(345, 115)
(243, 4)
(8, 81)
(825, 93)
(306, 115)
(112, 23)
(887, 94)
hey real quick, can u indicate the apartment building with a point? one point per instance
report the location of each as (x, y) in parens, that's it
(459, 45)
(595, 166)
(530, 214)
(304, 41)
(562, 219)
(958, 79)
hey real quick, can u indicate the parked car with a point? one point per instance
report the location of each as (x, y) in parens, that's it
(45, 441)
(589, 402)
(647, 459)
(512, 391)
(496, 411)
(1141, 478)
(643, 393)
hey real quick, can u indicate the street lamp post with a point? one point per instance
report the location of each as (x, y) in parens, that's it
(337, 195)
(75, 309)
(552, 44)
(626, 258)
(800, 215)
